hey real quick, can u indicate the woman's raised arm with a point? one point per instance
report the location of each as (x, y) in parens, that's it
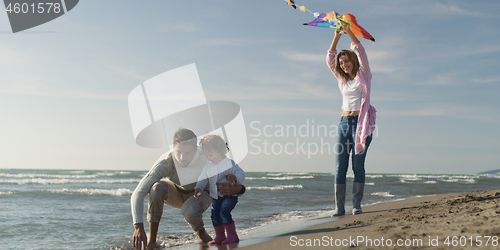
(333, 46)
(347, 28)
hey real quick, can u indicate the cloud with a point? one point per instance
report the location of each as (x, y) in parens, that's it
(304, 57)
(447, 78)
(467, 112)
(13, 59)
(128, 73)
(388, 96)
(487, 80)
(446, 52)
(420, 8)
(38, 91)
(185, 26)
(293, 110)
(234, 42)
(454, 10)
(274, 92)
(388, 55)
(383, 61)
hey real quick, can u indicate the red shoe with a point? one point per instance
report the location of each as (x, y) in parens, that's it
(220, 235)
(232, 236)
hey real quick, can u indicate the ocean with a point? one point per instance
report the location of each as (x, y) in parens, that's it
(88, 209)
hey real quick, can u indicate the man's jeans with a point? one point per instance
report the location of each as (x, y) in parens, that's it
(166, 192)
(345, 145)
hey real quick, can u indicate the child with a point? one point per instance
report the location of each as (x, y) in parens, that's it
(220, 169)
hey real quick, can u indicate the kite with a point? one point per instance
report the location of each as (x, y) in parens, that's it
(334, 20)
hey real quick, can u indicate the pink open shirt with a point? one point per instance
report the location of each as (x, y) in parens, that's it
(367, 114)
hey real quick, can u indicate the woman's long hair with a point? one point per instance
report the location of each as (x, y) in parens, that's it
(353, 58)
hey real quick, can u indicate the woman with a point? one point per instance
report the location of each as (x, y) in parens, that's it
(358, 117)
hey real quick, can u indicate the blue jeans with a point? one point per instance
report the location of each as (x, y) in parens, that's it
(222, 207)
(345, 145)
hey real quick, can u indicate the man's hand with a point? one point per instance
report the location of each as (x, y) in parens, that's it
(231, 177)
(140, 237)
(226, 189)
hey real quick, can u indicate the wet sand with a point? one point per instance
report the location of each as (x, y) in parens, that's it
(451, 221)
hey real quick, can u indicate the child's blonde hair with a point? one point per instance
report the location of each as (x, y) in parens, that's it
(214, 143)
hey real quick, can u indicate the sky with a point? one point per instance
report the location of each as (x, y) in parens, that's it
(64, 85)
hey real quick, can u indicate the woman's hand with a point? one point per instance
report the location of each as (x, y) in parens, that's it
(346, 26)
(338, 32)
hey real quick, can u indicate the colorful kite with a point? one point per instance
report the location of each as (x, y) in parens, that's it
(334, 20)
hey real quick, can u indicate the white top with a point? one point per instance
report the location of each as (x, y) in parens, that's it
(351, 94)
(216, 173)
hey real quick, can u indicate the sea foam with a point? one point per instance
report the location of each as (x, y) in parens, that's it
(278, 187)
(113, 192)
(65, 181)
(283, 178)
(383, 194)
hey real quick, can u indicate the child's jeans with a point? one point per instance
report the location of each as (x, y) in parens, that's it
(222, 207)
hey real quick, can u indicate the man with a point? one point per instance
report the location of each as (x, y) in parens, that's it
(185, 154)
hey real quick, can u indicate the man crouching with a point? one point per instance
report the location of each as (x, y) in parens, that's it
(185, 154)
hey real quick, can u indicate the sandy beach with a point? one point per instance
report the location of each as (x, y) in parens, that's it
(465, 220)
